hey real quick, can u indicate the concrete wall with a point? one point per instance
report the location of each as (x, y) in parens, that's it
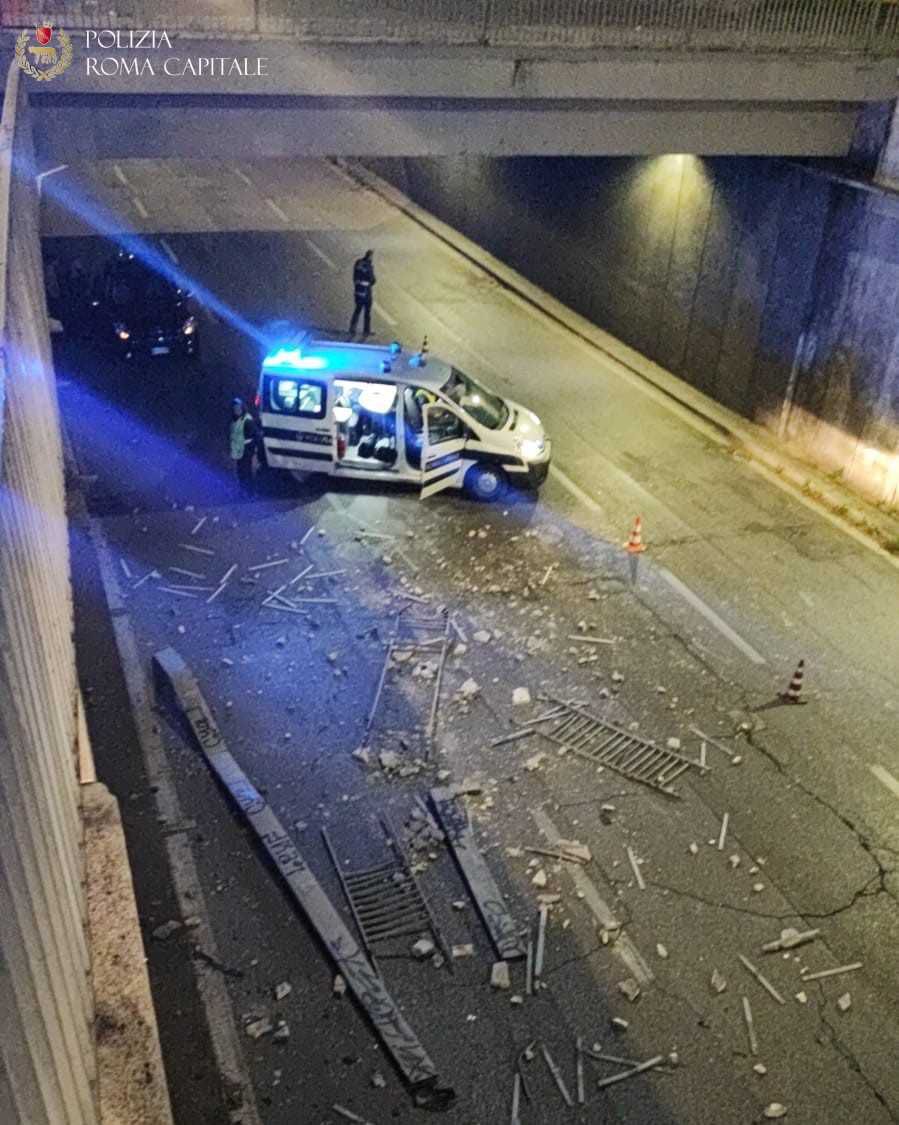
(758, 281)
(47, 1070)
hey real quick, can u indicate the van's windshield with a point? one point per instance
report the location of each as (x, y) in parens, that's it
(484, 407)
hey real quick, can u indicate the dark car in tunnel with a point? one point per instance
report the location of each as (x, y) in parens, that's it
(137, 311)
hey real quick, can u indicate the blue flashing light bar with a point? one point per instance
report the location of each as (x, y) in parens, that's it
(292, 359)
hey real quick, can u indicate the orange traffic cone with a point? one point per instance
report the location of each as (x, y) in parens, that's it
(793, 692)
(635, 544)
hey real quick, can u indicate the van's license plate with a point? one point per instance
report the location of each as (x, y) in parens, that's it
(159, 351)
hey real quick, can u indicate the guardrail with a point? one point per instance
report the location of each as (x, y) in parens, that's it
(857, 26)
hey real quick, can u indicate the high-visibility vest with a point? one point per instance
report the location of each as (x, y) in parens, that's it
(239, 439)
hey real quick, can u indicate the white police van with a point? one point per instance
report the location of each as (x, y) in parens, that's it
(374, 412)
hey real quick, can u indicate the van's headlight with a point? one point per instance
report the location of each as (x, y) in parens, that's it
(189, 326)
(532, 448)
(122, 332)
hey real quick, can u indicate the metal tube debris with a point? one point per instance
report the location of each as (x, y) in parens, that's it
(750, 1027)
(650, 1064)
(590, 640)
(636, 869)
(763, 980)
(198, 525)
(541, 942)
(556, 1072)
(722, 835)
(789, 939)
(267, 565)
(833, 972)
(196, 550)
(299, 576)
(306, 536)
(513, 737)
(188, 573)
(581, 1095)
(516, 1099)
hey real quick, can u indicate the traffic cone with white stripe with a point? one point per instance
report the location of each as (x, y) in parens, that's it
(794, 691)
(635, 544)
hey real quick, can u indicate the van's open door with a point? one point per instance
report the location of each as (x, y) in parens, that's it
(443, 440)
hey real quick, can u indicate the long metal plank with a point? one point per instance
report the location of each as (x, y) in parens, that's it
(500, 925)
(366, 985)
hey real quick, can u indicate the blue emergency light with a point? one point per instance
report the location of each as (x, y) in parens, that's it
(292, 359)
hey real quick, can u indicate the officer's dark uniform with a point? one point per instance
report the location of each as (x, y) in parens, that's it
(363, 284)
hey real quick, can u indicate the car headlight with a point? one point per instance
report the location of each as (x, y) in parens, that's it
(189, 326)
(532, 448)
(122, 332)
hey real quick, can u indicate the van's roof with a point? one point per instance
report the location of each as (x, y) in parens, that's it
(326, 359)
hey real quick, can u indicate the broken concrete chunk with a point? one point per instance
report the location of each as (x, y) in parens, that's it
(694, 849)
(802, 997)
(673, 743)
(662, 951)
(389, 759)
(775, 1109)
(499, 976)
(629, 988)
(259, 1027)
(481, 636)
(378, 1080)
(283, 989)
(339, 988)
(540, 879)
(282, 1032)
(516, 1000)
(619, 1024)
(520, 696)
(423, 949)
(469, 689)
(535, 761)
(844, 1002)
(718, 982)
(760, 1069)
(617, 678)
(165, 931)
(734, 861)
(362, 755)
(758, 888)
(460, 951)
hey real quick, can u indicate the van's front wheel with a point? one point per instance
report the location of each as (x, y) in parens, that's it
(486, 482)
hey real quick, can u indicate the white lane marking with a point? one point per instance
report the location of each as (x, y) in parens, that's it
(709, 614)
(575, 489)
(139, 207)
(885, 778)
(41, 176)
(320, 253)
(270, 203)
(384, 314)
(171, 253)
(243, 176)
(120, 175)
(623, 947)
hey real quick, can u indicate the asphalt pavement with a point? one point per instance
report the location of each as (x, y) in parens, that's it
(739, 582)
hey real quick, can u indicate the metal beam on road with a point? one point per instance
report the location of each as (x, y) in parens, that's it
(454, 820)
(174, 677)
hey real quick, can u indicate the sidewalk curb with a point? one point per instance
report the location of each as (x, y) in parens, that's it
(848, 511)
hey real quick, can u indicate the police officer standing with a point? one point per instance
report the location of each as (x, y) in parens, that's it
(363, 284)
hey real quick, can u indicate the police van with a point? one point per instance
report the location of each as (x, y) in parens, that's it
(376, 412)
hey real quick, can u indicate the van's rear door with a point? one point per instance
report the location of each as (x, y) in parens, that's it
(297, 427)
(443, 441)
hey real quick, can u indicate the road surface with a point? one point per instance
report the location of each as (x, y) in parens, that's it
(739, 582)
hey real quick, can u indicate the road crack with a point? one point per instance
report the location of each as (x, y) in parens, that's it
(846, 1053)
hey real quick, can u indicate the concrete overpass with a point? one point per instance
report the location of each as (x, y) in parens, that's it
(437, 79)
